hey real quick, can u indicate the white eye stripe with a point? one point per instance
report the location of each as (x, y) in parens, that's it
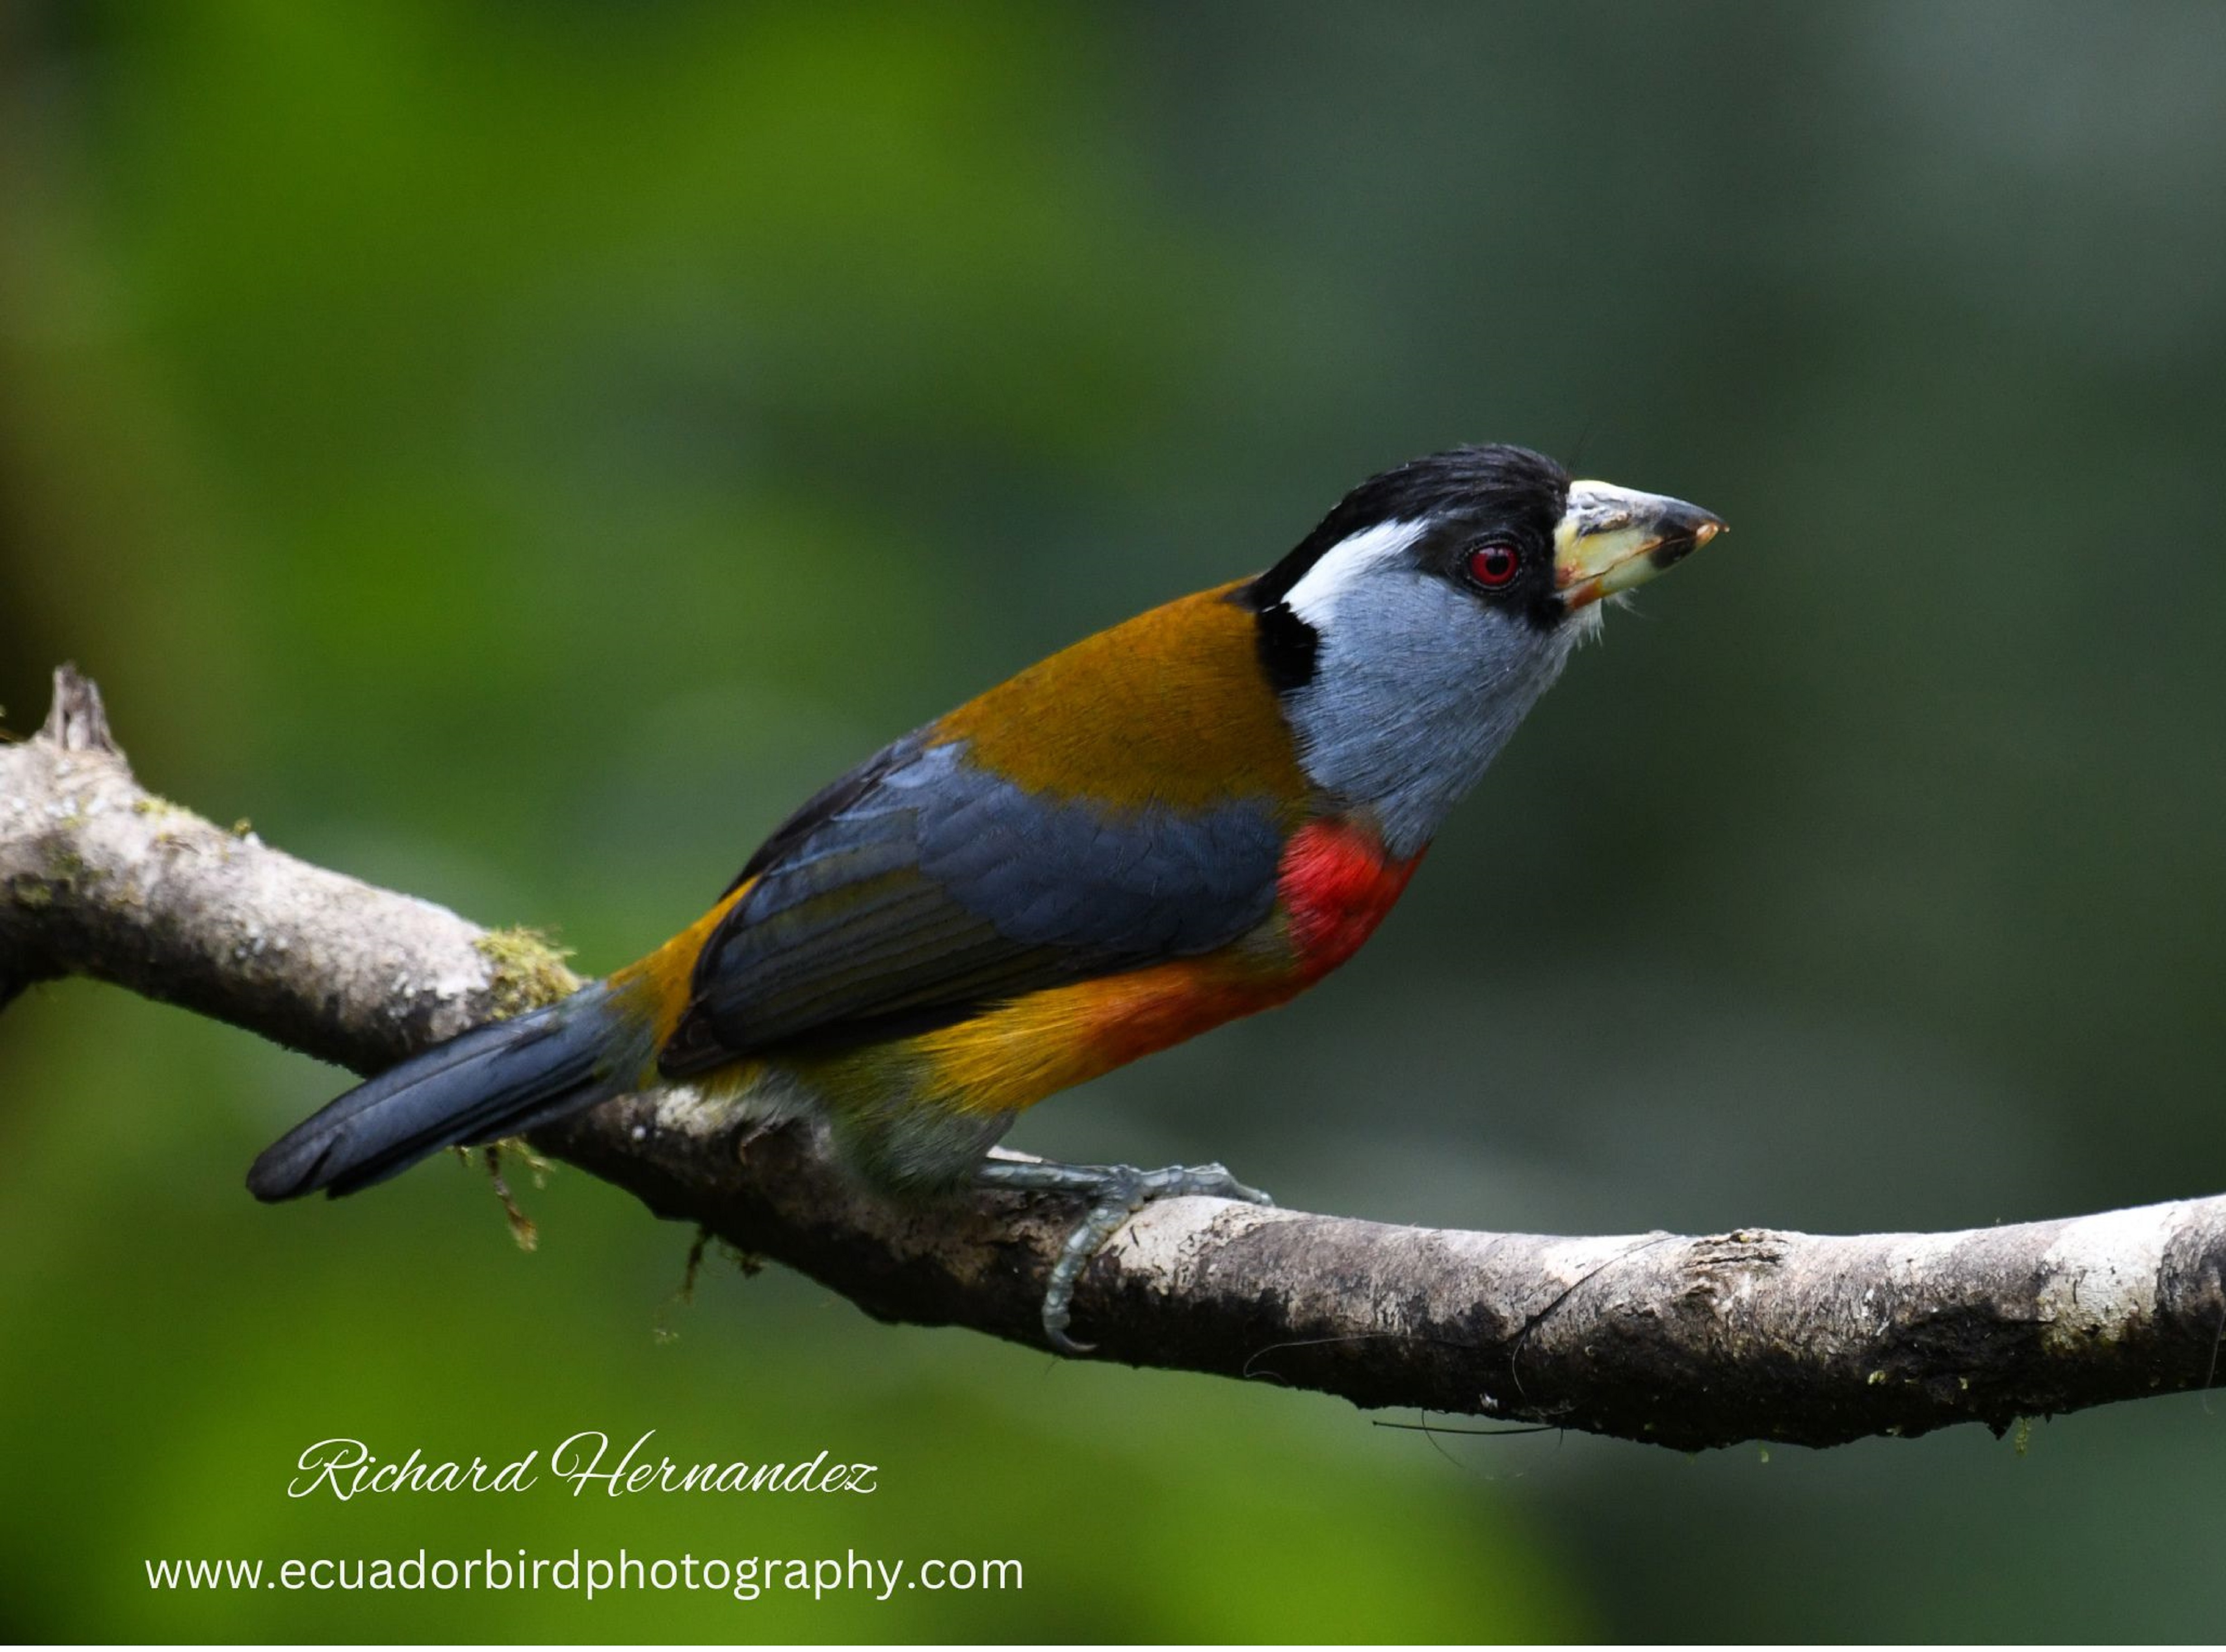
(1344, 565)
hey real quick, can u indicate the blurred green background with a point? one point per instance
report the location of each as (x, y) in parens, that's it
(514, 451)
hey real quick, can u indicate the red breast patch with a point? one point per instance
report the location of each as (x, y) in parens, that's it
(1336, 887)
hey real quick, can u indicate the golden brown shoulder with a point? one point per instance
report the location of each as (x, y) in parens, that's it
(1170, 706)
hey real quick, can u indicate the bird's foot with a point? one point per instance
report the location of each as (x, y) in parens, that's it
(1116, 1192)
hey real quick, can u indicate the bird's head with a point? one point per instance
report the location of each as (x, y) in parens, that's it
(1409, 632)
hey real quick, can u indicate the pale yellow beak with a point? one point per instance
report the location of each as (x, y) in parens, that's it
(1610, 538)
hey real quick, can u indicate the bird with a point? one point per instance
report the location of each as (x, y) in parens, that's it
(1192, 816)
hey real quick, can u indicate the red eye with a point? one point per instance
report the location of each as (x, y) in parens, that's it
(1494, 566)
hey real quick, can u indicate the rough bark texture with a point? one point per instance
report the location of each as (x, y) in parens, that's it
(1679, 1341)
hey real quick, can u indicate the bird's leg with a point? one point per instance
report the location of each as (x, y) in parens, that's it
(1116, 1192)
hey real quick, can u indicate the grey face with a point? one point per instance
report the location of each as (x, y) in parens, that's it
(1433, 640)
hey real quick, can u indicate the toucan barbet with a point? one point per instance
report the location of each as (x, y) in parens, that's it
(1192, 816)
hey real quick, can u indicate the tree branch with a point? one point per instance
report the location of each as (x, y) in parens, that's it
(1682, 1342)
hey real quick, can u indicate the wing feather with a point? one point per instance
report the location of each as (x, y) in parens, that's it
(922, 885)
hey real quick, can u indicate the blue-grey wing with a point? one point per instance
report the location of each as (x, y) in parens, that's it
(920, 888)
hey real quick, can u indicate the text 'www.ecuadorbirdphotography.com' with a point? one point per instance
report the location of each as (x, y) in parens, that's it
(747, 1578)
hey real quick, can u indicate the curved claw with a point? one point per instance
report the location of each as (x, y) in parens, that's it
(1116, 1192)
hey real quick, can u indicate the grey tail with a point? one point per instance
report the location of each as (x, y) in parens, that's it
(493, 1081)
